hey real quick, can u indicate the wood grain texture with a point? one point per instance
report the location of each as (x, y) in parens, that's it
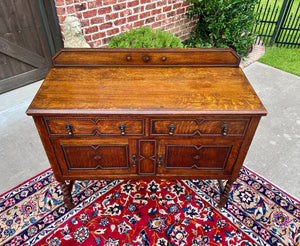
(204, 127)
(193, 157)
(94, 126)
(179, 120)
(146, 90)
(96, 157)
(42, 130)
(154, 57)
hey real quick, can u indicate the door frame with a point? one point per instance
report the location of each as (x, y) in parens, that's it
(41, 64)
(51, 25)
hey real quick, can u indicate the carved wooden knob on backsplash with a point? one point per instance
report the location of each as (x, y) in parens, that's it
(146, 58)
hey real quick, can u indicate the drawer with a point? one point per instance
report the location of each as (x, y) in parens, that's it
(205, 127)
(91, 127)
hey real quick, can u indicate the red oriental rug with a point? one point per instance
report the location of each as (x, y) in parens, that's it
(157, 212)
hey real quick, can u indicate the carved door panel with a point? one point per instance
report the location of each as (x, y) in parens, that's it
(95, 156)
(197, 156)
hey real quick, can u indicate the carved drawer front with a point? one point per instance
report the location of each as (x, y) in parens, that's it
(205, 127)
(96, 157)
(91, 127)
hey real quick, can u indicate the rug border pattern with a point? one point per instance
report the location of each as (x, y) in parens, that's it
(192, 184)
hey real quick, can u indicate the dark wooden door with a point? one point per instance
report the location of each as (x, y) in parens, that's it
(24, 50)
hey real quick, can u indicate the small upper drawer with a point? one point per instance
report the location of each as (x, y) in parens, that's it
(205, 127)
(90, 127)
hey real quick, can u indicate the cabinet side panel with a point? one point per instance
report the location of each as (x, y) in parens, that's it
(245, 146)
(41, 127)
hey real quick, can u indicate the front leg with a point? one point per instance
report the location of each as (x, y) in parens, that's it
(225, 193)
(66, 190)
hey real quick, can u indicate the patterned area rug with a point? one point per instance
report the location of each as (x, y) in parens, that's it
(157, 212)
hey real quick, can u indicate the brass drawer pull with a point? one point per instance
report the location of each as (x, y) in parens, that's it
(69, 127)
(128, 58)
(134, 160)
(122, 127)
(225, 128)
(163, 58)
(172, 128)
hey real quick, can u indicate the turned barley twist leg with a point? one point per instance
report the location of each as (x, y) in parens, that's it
(67, 194)
(225, 194)
(71, 186)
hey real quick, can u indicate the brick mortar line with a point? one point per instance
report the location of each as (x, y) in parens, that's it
(97, 38)
(257, 52)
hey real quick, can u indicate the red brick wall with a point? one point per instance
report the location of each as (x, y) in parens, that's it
(103, 19)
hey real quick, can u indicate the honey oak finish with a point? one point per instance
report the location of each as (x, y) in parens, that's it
(145, 114)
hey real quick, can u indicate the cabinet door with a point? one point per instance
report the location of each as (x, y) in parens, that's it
(102, 157)
(198, 156)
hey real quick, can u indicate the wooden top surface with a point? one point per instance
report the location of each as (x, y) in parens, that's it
(146, 90)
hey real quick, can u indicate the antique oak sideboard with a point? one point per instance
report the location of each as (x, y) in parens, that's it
(146, 113)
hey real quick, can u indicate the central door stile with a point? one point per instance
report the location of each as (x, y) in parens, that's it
(147, 156)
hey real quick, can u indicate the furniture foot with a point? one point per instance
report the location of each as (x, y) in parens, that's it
(71, 186)
(225, 192)
(221, 186)
(66, 190)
